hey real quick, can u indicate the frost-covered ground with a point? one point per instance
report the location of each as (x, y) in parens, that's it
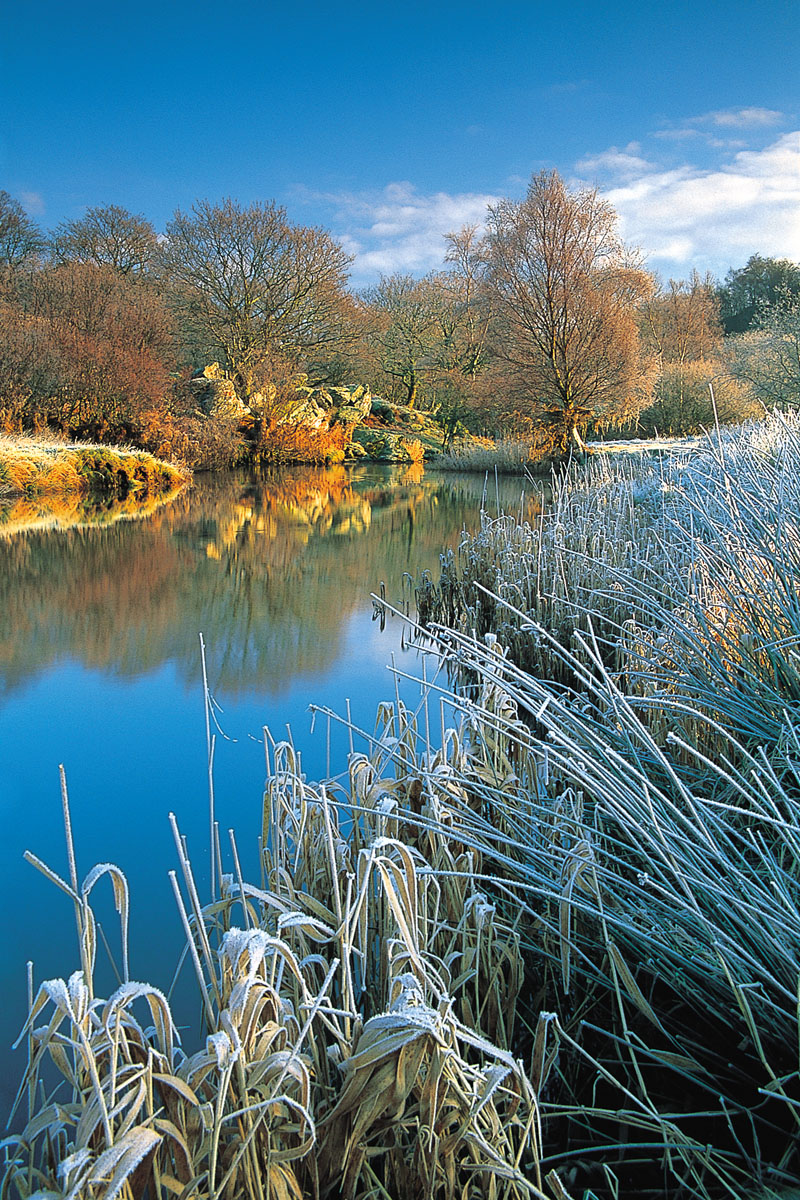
(638, 445)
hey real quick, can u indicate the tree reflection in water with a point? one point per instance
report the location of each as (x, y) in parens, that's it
(269, 568)
(100, 669)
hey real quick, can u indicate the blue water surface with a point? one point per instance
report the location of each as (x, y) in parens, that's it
(100, 670)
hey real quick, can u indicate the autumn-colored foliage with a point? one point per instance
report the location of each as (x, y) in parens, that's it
(83, 349)
(274, 441)
(33, 468)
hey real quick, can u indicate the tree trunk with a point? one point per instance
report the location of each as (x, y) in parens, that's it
(569, 430)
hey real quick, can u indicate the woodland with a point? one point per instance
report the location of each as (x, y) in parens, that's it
(544, 326)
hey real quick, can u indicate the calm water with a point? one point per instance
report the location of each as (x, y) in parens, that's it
(100, 669)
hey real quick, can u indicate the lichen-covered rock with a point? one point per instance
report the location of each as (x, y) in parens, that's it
(336, 405)
(306, 410)
(353, 404)
(215, 394)
(388, 447)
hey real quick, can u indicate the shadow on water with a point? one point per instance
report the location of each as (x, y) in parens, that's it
(100, 670)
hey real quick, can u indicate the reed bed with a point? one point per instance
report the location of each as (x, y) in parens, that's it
(624, 549)
(654, 617)
(553, 953)
(507, 456)
(571, 566)
(358, 1008)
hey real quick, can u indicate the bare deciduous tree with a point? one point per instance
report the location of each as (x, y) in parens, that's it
(768, 357)
(565, 293)
(109, 339)
(108, 236)
(21, 241)
(470, 303)
(681, 322)
(255, 288)
(406, 331)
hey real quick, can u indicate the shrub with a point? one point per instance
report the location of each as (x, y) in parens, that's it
(683, 403)
(200, 443)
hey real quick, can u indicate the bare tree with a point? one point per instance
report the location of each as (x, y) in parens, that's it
(406, 330)
(470, 305)
(430, 333)
(253, 288)
(682, 331)
(565, 292)
(768, 357)
(21, 241)
(108, 236)
(110, 341)
(681, 321)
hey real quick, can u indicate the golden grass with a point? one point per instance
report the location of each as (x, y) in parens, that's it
(34, 467)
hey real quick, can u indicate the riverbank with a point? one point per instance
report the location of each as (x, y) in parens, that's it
(631, 664)
(551, 950)
(41, 469)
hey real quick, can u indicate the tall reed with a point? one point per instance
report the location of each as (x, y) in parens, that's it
(358, 1008)
(557, 952)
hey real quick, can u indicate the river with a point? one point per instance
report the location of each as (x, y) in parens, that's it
(100, 670)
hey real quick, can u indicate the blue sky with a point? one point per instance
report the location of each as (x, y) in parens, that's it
(392, 123)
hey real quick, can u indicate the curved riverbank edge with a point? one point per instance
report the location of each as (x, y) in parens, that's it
(56, 484)
(31, 468)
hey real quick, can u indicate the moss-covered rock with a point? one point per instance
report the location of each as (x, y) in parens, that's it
(384, 446)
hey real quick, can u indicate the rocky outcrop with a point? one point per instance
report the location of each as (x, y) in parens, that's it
(352, 421)
(314, 407)
(215, 394)
(332, 405)
(383, 446)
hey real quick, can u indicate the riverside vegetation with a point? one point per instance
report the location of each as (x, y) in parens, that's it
(37, 468)
(232, 336)
(550, 951)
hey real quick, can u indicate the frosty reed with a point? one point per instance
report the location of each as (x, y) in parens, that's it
(547, 948)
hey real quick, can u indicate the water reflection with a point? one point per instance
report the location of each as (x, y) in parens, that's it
(100, 670)
(268, 568)
(27, 513)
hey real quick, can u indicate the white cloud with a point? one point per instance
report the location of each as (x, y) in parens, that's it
(624, 164)
(740, 118)
(716, 217)
(32, 202)
(676, 135)
(714, 127)
(399, 228)
(710, 216)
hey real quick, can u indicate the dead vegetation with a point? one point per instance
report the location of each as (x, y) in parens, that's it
(358, 1007)
(552, 951)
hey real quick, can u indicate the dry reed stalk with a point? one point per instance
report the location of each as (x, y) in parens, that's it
(358, 1029)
